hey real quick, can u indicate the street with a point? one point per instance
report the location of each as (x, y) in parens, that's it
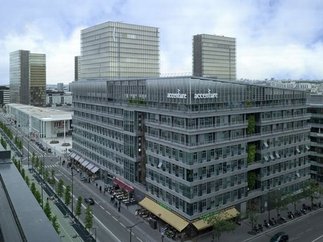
(307, 228)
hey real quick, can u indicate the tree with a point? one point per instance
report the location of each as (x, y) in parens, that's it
(78, 208)
(33, 159)
(277, 200)
(33, 188)
(27, 180)
(312, 190)
(220, 224)
(253, 216)
(60, 188)
(46, 175)
(251, 128)
(23, 173)
(251, 149)
(67, 195)
(38, 197)
(48, 211)
(88, 218)
(55, 224)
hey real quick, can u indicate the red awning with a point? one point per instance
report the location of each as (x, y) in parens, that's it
(123, 185)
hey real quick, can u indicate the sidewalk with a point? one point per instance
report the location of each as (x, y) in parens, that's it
(240, 234)
(67, 232)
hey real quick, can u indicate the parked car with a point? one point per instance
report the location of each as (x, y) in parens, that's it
(89, 201)
(280, 237)
(84, 179)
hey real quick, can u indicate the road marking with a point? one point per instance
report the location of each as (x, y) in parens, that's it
(122, 225)
(139, 239)
(317, 238)
(115, 218)
(109, 231)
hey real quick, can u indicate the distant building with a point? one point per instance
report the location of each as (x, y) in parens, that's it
(40, 122)
(77, 67)
(4, 95)
(214, 56)
(58, 98)
(119, 50)
(27, 78)
(60, 87)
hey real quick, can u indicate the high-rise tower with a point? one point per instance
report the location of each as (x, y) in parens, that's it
(119, 50)
(214, 56)
(27, 78)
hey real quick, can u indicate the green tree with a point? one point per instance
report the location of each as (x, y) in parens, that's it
(312, 190)
(220, 225)
(277, 200)
(55, 224)
(33, 188)
(46, 175)
(23, 174)
(88, 218)
(48, 211)
(252, 216)
(60, 188)
(78, 208)
(38, 197)
(27, 180)
(33, 159)
(67, 195)
(251, 149)
(251, 128)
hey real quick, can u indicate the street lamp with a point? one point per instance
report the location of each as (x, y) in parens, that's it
(130, 229)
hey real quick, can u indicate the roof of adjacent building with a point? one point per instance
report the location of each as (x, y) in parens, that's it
(45, 114)
(22, 218)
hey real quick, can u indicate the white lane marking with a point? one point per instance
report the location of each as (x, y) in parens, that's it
(109, 231)
(317, 238)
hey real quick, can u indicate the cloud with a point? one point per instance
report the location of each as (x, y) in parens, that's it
(280, 39)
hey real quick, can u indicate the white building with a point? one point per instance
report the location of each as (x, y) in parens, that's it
(40, 122)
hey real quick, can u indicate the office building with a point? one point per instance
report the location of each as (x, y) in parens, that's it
(194, 145)
(214, 56)
(315, 109)
(119, 50)
(27, 78)
(77, 67)
(4, 95)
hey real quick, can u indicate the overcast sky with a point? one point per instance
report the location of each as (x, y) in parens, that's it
(279, 39)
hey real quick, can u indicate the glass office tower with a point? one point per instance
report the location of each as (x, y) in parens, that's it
(28, 78)
(196, 145)
(214, 56)
(119, 50)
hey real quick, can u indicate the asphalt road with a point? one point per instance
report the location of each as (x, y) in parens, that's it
(307, 228)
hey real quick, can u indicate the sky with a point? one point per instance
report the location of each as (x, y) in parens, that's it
(281, 39)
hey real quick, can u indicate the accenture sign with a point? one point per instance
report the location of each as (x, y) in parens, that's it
(196, 95)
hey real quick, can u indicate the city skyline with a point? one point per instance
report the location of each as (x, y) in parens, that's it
(272, 40)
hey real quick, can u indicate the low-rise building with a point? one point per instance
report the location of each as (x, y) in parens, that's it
(40, 122)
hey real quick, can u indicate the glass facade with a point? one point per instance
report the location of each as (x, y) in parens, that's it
(119, 50)
(188, 140)
(214, 56)
(27, 78)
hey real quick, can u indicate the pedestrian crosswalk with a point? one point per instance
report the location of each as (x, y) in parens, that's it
(52, 166)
